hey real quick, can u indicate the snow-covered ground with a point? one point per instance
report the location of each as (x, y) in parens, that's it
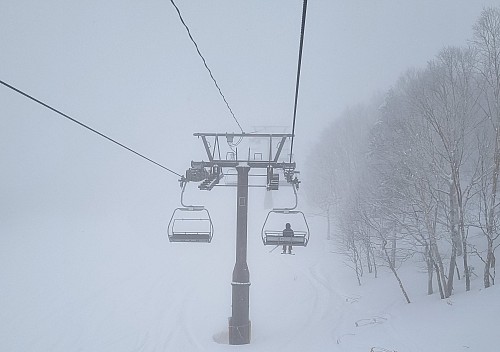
(109, 284)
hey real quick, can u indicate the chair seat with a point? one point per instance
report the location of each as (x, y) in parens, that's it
(190, 237)
(276, 238)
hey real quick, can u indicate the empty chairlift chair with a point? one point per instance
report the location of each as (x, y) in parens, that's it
(190, 223)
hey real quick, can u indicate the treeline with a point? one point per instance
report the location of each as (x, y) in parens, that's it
(415, 173)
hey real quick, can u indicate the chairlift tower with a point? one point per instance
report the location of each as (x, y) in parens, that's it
(241, 157)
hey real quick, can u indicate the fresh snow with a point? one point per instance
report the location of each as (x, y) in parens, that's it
(112, 285)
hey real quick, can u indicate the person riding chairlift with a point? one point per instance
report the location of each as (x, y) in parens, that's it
(287, 232)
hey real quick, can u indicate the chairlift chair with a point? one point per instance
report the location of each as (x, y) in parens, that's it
(190, 223)
(273, 236)
(184, 227)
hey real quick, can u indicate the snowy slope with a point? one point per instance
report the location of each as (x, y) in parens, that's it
(109, 285)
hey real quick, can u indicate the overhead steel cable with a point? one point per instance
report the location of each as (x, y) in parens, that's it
(301, 45)
(87, 127)
(206, 65)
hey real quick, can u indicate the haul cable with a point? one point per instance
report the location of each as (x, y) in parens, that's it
(206, 65)
(87, 127)
(302, 30)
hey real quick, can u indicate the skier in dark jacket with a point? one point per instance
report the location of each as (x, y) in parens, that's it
(287, 232)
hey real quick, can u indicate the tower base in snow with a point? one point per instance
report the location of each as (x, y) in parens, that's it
(239, 334)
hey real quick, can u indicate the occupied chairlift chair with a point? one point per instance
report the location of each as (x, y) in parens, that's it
(274, 236)
(190, 223)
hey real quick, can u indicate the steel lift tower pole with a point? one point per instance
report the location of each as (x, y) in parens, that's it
(239, 322)
(209, 173)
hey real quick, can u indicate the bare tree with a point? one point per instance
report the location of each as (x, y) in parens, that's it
(411, 175)
(402, 161)
(446, 99)
(487, 43)
(336, 170)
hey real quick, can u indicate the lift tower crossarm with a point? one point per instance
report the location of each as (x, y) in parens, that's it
(214, 159)
(201, 134)
(235, 163)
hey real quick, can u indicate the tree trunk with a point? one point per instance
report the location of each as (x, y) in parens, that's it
(393, 251)
(466, 263)
(393, 269)
(368, 259)
(356, 263)
(454, 239)
(491, 210)
(451, 272)
(438, 263)
(434, 250)
(487, 265)
(494, 268)
(440, 283)
(462, 233)
(430, 270)
(375, 270)
(361, 267)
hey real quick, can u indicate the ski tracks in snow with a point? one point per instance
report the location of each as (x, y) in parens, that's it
(321, 305)
(171, 327)
(336, 316)
(366, 329)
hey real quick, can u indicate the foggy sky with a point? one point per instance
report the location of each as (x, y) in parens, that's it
(128, 69)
